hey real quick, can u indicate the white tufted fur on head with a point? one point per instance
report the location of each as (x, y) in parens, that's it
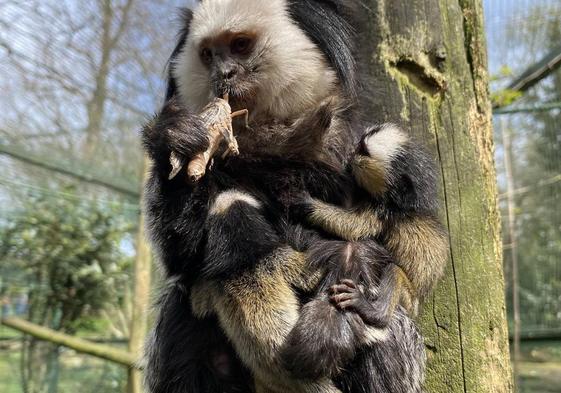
(385, 144)
(292, 73)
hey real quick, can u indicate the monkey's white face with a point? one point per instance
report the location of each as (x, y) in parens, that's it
(254, 51)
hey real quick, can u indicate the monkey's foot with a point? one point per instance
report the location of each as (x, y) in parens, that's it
(347, 296)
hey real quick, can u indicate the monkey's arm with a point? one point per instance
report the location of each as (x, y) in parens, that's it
(420, 247)
(350, 224)
(175, 210)
(418, 244)
(176, 130)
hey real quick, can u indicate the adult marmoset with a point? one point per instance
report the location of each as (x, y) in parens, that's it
(281, 61)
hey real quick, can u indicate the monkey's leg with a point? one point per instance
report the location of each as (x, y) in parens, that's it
(325, 338)
(395, 365)
(419, 246)
(256, 304)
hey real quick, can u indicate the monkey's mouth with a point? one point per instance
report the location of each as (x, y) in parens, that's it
(221, 88)
(239, 93)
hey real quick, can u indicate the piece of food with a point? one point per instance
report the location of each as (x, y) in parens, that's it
(217, 117)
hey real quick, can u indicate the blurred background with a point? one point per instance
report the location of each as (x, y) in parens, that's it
(77, 79)
(524, 46)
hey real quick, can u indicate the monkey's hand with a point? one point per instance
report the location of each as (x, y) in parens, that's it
(175, 130)
(347, 296)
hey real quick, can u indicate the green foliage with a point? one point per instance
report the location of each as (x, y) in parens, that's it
(504, 73)
(78, 373)
(76, 257)
(72, 252)
(504, 97)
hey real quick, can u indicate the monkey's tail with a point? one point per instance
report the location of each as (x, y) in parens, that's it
(324, 338)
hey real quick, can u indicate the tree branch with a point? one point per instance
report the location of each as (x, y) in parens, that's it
(534, 74)
(80, 345)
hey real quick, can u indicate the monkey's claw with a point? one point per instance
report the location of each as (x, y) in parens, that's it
(176, 165)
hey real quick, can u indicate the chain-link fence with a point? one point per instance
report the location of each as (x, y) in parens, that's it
(77, 80)
(525, 53)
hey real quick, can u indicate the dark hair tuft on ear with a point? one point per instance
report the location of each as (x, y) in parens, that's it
(329, 24)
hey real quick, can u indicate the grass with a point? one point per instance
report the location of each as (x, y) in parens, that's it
(9, 372)
(78, 373)
(540, 377)
(540, 369)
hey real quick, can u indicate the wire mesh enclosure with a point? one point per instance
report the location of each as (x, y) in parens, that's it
(77, 80)
(525, 53)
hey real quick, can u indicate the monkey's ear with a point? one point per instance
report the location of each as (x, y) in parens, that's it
(332, 30)
(186, 15)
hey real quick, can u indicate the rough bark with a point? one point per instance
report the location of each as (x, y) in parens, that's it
(426, 62)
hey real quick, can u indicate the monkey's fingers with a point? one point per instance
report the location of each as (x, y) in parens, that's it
(347, 304)
(341, 297)
(348, 282)
(341, 288)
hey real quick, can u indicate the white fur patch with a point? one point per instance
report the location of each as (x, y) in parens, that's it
(292, 75)
(373, 335)
(385, 144)
(226, 199)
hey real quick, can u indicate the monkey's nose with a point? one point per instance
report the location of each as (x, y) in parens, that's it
(229, 74)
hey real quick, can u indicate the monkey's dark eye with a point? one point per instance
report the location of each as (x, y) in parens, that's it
(206, 55)
(240, 46)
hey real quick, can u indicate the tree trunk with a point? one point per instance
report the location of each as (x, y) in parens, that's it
(141, 299)
(512, 247)
(426, 63)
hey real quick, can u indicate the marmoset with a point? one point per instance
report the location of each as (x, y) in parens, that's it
(236, 263)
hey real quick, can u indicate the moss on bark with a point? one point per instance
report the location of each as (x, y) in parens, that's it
(426, 63)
